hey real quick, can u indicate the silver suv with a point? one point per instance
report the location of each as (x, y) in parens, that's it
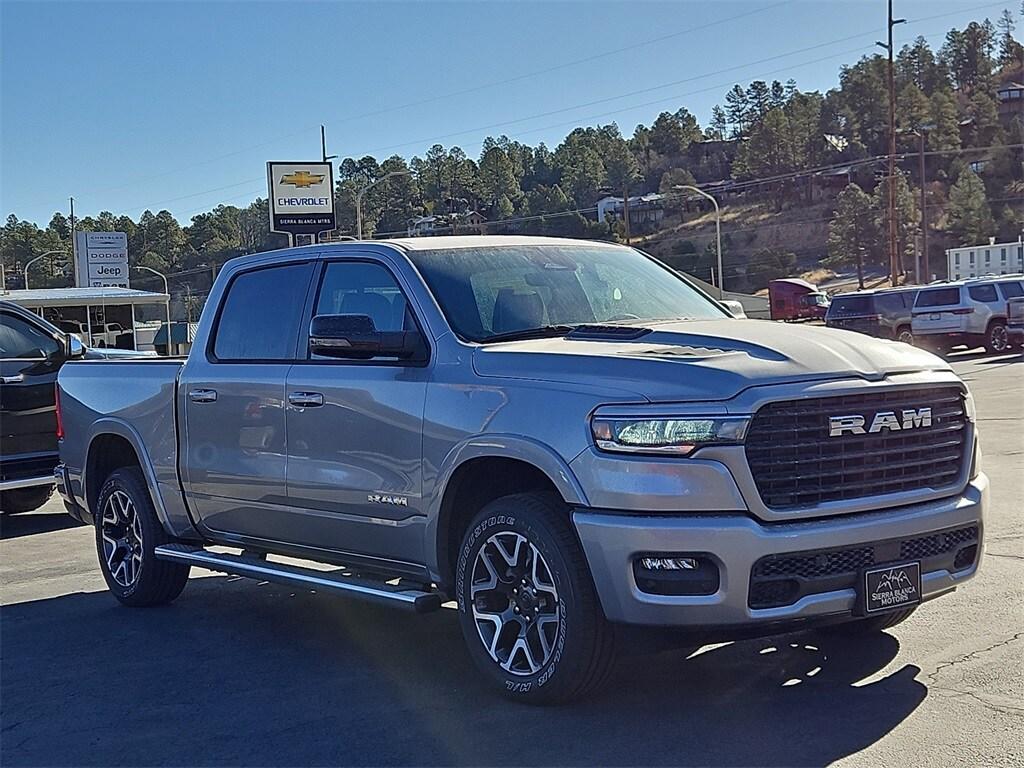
(971, 312)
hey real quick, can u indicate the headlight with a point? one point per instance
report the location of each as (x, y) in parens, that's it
(969, 410)
(680, 437)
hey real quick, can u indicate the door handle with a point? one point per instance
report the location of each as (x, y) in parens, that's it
(305, 399)
(16, 379)
(202, 395)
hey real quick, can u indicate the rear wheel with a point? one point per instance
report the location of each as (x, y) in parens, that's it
(24, 499)
(905, 335)
(997, 340)
(127, 532)
(527, 604)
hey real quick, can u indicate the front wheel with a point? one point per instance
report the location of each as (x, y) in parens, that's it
(127, 532)
(527, 605)
(997, 340)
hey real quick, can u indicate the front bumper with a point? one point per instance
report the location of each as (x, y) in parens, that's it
(612, 541)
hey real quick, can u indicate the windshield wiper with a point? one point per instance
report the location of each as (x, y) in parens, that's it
(529, 333)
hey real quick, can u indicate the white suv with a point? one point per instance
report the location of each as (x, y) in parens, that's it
(971, 312)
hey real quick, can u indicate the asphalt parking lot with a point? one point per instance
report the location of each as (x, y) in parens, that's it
(236, 672)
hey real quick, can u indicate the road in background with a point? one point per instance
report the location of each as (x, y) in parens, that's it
(236, 672)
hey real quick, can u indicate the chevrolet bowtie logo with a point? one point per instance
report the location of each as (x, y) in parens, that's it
(302, 178)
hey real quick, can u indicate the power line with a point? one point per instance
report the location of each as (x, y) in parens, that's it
(452, 94)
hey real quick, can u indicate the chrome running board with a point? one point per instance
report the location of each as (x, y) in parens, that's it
(417, 600)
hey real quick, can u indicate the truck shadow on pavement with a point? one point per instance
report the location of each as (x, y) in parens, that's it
(238, 673)
(31, 523)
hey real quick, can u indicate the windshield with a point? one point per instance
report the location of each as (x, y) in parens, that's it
(494, 291)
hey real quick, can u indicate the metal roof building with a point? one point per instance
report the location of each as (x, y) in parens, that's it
(77, 297)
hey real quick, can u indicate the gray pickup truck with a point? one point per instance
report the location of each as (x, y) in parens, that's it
(560, 437)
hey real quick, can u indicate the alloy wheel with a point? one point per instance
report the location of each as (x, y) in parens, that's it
(121, 532)
(515, 603)
(999, 338)
(907, 337)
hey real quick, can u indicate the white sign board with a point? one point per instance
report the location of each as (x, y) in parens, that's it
(101, 259)
(301, 198)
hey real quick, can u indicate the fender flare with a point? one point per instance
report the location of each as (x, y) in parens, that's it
(112, 426)
(498, 446)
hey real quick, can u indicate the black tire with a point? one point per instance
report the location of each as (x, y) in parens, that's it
(997, 341)
(152, 582)
(905, 335)
(25, 499)
(579, 648)
(872, 624)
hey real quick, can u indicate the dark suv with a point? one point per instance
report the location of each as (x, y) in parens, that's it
(32, 351)
(885, 314)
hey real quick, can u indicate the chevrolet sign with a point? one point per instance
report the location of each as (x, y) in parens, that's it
(301, 198)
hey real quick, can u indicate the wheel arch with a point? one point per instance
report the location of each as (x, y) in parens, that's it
(478, 472)
(115, 444)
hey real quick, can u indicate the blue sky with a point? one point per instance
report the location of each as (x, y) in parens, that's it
(178, 105)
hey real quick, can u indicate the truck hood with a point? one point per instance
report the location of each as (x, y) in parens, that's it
(704, 359)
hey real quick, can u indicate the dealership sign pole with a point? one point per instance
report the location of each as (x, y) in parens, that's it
(301, 198)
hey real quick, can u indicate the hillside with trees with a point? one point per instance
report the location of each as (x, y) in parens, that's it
(801, 176)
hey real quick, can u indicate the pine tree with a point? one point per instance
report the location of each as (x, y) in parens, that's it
(853, 236)
(969, 217)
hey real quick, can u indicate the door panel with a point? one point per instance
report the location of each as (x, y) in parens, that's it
(235, 446)
(354, 463)
(29, 361)
(233, 400)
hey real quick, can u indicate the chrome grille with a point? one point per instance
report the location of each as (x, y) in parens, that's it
(796, 465)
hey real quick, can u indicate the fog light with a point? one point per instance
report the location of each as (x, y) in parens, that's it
(692, 574)
(669, 563)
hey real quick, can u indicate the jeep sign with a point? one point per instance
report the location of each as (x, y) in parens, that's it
(101, 259)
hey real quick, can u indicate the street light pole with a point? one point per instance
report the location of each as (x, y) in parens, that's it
(363, 191)
(33, 261)
(718, 231)
(167, 304)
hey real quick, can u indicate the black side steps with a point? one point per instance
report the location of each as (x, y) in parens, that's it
(420, 601)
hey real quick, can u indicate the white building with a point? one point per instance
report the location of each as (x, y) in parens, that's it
(990, 259)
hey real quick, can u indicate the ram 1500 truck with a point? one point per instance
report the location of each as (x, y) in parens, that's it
(561, 437)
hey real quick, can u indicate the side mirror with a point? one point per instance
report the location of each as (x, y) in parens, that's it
(356, 337)
(735, 308)
(76, 349)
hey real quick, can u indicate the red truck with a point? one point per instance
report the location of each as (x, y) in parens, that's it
(794, 299)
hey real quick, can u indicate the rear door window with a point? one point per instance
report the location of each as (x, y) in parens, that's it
(984, 293)
(938, 297)
(847, 306)
(1011, 290)
(259, 319)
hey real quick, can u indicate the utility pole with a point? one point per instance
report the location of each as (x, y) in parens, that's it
(74, 247)
(625, 210)
(926, 274)
(893, 267)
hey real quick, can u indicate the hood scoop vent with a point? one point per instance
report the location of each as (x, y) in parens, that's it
(687, 351)
(607, 332)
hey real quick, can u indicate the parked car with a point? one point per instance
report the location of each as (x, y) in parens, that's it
(558, 435)
(885, 314)
(32, 351)
(103, 334)
(795, 299)
(965, 312)
(1015, 320)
